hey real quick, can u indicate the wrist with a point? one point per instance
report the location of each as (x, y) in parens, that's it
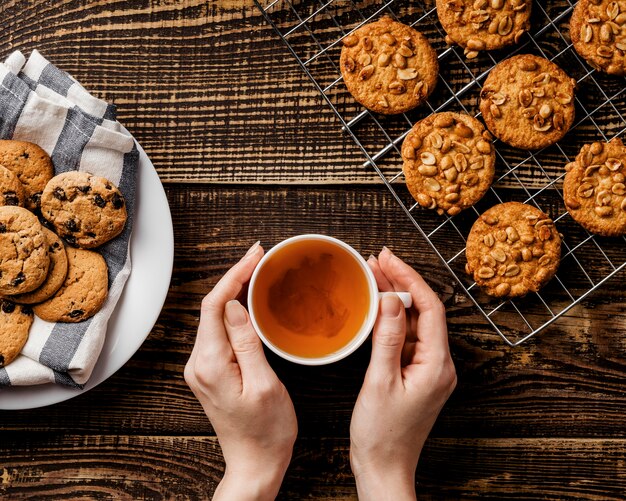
(250, 484)
(392, 482)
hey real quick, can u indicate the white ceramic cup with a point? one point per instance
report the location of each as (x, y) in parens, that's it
(367, 326)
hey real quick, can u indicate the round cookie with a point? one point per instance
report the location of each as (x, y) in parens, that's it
(528, 102)
(31, 165)
(449, 162)
(24, 257)
(598, 32)
(513, 249)
(56, 272)
(388, 67)
(11, 189)
(15, 322)
(83, 292)
(594, 189)
(479, 25)
(85, 210)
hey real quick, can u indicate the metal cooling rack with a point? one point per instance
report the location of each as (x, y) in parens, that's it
(313, 32)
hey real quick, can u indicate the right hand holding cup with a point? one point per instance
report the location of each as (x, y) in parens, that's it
(409, 379)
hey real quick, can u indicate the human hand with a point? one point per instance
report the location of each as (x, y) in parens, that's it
(249, 408)
(409, 379)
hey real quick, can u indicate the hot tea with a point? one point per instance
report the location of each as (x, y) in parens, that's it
(311, 298)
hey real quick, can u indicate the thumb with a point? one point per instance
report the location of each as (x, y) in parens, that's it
(389, 335)
(246, 345)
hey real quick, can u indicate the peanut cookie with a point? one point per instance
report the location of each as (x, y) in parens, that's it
(528, 102)
(56, 272)
(31, 164)
(388, 67)
(479, 25)
(512, 249)
(24, 257)
(83, 292)
(15, 322)
(11, 189)
(594, 189)
(448, 162)
(598, 32)
(85, 210)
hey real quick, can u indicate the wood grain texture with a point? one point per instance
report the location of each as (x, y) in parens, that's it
(183, 467)
(575, 368)
(198, 83)
(213, 95)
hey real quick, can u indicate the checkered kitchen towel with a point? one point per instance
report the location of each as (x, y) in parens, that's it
(44, 105)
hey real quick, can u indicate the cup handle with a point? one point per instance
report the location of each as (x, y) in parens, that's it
(405, 297)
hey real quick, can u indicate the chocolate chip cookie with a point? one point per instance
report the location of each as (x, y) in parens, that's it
(528, 102)
(388, 67)
(448, 162)
(24, 257)
(478, 25)
(56, 272)
(11, 189)
(83, 292)
(31, 165)
(513, 249)
(598, 32)
(594, 189)
(15, 322)
(85, 210)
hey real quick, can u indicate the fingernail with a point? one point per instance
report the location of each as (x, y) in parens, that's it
(254, 247)
(386, 249)
(390, 305)
(235, 314)
(372, 256)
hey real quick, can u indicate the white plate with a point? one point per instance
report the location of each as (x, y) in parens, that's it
(152, 253)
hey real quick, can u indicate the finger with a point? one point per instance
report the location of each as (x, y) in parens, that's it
(388, 338)
(229, 287)
(212, 348)
(381, 280)
(431, 324)
(385, 286)
(246, 344)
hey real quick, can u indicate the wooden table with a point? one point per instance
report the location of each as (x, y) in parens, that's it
(247, 151)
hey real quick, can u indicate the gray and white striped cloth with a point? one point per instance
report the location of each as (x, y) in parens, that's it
(44, 105)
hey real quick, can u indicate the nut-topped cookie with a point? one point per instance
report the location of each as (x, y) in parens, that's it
(598, 32)
(56, 272)
(528, 102)
(388, 66)
(85, 210)
(448, 162)
(24, 257)
(15, 322)
(478, 25)
(31, 165)
(11, 189)
(83, 292)
(513, 249)
(594, 189)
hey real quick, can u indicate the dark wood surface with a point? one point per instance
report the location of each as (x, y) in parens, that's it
(247, 151)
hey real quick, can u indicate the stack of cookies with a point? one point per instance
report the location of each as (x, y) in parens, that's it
(526, 102)
(39, 214)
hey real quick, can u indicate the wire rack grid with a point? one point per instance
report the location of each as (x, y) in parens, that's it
(313, 32)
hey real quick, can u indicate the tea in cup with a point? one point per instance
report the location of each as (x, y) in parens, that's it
(313, 299)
